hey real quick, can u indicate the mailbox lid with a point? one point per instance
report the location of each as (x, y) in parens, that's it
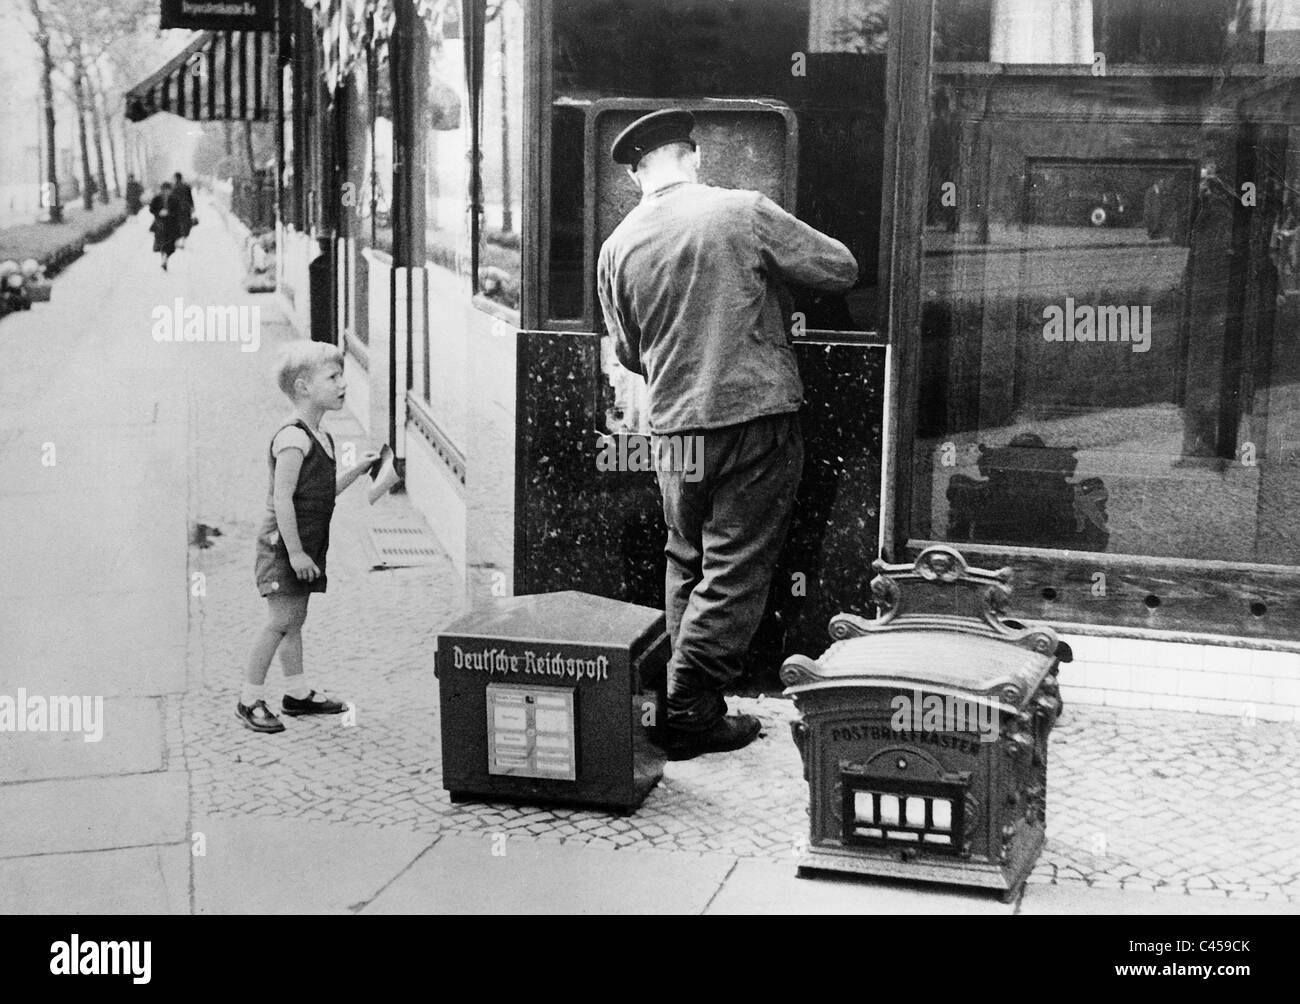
(952, 660)
(568, 616)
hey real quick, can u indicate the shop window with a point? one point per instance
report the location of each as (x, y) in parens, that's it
(357, 222)
(501, 160)
(375, 192)
(447, 178)
(289, 202)
(1110, 279)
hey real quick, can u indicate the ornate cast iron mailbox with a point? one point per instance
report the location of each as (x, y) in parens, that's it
(924, 732)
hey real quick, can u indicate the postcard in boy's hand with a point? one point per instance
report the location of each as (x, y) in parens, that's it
(383, 475)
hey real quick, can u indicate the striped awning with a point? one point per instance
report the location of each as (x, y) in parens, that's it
(220, 76)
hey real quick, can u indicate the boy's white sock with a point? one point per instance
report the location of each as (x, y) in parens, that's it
(297, 687)
(250, 694)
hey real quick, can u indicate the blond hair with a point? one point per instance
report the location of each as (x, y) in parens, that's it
(301, 358)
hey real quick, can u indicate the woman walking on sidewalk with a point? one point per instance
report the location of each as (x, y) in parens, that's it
(166, 224)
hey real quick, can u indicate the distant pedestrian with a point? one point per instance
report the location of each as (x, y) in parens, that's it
(166, 222)
(295, 531)
(185, 200)
(133, 192)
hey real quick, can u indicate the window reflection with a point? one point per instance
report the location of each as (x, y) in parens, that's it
(1151, 32)
(446, 195)
(375, 193)
(1109, 350)
(501, 164)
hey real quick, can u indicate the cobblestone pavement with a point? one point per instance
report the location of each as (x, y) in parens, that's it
(1160, 801)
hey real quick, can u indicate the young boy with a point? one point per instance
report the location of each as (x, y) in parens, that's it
(295, 533)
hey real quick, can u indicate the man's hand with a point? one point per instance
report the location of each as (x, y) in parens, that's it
(304, 567)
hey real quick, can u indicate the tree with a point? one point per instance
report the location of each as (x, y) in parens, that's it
(42, 37)
(87, 94)
(87, 29)
(125, 61)
(99, 99)
(79, 98)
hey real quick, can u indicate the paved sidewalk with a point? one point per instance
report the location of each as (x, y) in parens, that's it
(180, 810)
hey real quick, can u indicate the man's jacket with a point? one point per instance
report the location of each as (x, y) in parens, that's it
(689, 284)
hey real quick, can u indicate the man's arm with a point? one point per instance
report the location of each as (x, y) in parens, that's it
(793, 251)
(627, 339)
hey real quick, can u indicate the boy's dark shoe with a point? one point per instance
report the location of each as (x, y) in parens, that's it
(295, 706)
(731, 732)
(258, 717)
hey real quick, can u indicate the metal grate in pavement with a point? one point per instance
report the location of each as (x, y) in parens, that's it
(403, 546)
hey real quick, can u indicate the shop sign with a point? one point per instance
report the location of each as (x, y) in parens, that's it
(221, 15)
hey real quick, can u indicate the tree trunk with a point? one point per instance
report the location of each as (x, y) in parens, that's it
(125, 140)
(92, 98)
(108, 132)
(79, 97)
(50, 197)
(112, 154)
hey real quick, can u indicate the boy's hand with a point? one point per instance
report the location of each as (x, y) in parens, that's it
(367, 458)
(304, 566)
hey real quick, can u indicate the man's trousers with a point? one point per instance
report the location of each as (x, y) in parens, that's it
(727, 521)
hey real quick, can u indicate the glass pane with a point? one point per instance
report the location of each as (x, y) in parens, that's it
(1110, 358)
(377, 194)
(564, 287)
(825, 59)
(502, 162)
(439, 366)
(446, 194)
(288, 204)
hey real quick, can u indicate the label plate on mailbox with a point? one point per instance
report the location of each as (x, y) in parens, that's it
(531, 731)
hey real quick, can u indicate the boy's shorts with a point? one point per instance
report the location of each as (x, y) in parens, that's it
(274, 572)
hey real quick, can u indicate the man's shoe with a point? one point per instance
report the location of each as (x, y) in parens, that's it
(295, 706)
(732, 732)
(258, 717)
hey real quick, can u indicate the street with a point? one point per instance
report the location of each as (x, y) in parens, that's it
(136, 474)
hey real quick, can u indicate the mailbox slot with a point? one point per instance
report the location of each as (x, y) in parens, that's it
(882, 811)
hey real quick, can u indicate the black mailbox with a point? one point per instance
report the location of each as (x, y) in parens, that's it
(556, 697)
(924, 732)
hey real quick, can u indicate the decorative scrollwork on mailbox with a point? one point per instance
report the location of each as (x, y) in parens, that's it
(844, 626)
(943, 567)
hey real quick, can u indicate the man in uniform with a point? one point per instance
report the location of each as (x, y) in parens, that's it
(689, 285)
